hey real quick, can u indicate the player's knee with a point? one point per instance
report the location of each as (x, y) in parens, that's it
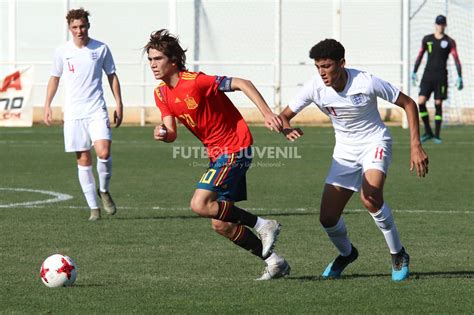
(222, 228)
(327, 219)
(104, 155)
(199, 206)
(372, 201)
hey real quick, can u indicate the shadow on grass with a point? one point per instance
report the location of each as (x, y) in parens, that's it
(89, 285)
(195, 216)
(413, 276)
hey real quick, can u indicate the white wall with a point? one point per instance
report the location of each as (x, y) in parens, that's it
(236, 31)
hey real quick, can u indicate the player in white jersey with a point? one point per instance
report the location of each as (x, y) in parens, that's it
(362, 152)
(80, 63)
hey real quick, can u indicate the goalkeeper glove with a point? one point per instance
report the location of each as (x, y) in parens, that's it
(459, 83)
(413, 78)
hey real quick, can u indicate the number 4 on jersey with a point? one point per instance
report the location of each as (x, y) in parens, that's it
(70, 67)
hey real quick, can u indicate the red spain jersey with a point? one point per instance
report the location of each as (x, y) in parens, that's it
(207, 112)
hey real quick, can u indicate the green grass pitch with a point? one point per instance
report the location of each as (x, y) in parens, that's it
(156, 256)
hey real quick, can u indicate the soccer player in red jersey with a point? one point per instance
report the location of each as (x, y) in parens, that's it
(198, 101)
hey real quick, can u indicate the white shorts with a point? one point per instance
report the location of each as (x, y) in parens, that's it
(80, 134)
(350, 162)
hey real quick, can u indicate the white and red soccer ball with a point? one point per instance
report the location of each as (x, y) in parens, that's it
(58, 271)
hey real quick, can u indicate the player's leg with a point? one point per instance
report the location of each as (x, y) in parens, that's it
(240, 235)
(76, 139)
(424, 115)
(438, 121)
(225, 179)
(204, 203)
(425, 118)
(343, 179)
(102, 137)
(441, 93)
(333, 201)
(376, 165)
(87, 181)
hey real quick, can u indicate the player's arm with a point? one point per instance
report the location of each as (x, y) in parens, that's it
(457, 62)
(272, 121)
(418, 157)
(51, 90)
(116, 91)
(419, 57)
(421, 52)
(166, 131)
(290, 133)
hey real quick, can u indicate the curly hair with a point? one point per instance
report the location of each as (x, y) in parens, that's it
(169, 45)
(77, 14)
(327, 49)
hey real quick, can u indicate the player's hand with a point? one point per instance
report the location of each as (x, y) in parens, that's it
(273, 122)
(118, 117)
(419, 160)
(48, 116)
(292, 133)
(414, 79)
(459, 83)
(160, 133)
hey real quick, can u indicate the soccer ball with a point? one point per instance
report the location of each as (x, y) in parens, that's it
(58, 271)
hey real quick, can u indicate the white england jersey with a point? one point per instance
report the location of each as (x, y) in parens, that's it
(353, 112)
(81, 71)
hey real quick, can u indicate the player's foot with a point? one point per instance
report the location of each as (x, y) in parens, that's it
(275, 271)
(268, 235)
(437, 140)
(425, 137)
(400, 262)
(107, 202)
(95, 214)
(335, 268)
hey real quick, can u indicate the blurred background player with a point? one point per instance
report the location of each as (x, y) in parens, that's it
(435, 78)
(198, 101)
(80, 63)
(363, 150)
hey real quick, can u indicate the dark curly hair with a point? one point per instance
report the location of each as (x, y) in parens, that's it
(77, 14)
(168, 44)
(327, 49)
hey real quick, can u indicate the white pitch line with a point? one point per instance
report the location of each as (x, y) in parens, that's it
(57, 197)
(315, 210)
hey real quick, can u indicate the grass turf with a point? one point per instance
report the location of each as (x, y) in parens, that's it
(156, 256)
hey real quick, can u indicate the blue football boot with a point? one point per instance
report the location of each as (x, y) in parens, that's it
(400, 262)
(335, 268)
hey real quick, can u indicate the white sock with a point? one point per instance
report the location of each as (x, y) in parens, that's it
(273, 259)
(338, 236)
(104, 170)
(87, 181)
(260, 223)
(384, 220)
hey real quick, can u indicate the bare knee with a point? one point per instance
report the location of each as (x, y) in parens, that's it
(103, 155)
(83, 158)
(200, 206)
(372, 200)
(327, 218)
(223, 228)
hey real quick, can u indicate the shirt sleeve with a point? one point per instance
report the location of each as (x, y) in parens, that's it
(385, 90)
(57, 68)
(209, 84)
(303, 98)
(161, 104)
(109, 64)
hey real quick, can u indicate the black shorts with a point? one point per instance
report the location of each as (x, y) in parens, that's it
(434, 84)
